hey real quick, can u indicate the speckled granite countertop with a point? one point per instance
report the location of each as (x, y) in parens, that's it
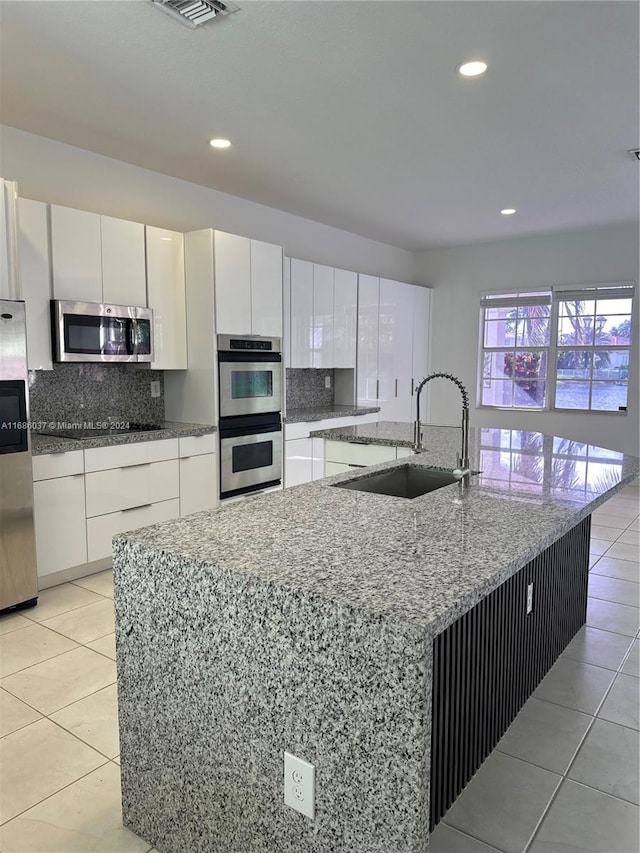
(43, 444)
(423, 561)
(296, 416)
(383, 432)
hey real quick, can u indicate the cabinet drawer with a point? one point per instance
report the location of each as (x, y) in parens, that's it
(57, 465)
(103, 458)
(123, 488)
(358, 454)
(197, 445)
(338, 468)
(102, 529)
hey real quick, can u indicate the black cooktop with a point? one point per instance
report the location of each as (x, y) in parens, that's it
(83, 432)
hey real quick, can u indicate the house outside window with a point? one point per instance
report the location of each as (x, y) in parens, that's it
(566, 349)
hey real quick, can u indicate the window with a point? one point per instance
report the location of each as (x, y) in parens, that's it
(564, 349)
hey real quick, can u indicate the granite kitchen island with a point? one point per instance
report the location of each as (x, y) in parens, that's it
(332, 623)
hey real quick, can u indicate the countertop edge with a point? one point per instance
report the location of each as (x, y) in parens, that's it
(42, 445)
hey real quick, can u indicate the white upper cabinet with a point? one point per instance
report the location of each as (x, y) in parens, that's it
(35, 279)
(301, 313)
(421, 341)
(97, 258)
(266, 289)
(232, 265)
(248, 286)
(123, 262)
(345, 318)
(76, 254)
(166, 296)
(323, 315)
(368, 332)
(322, 323)
(393, 345)
(286, 312)
(395, 349)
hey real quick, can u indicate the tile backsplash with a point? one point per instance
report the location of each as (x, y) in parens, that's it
(74, 393)
(306, 388)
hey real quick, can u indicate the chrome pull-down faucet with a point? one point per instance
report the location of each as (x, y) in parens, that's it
(463, 456)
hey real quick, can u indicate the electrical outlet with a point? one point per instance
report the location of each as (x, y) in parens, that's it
(327, 382)
(299, 785)
(155, 388)
(529, 598)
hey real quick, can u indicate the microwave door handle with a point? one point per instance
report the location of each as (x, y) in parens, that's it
(132, 336)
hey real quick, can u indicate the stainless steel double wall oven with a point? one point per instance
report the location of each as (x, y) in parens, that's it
(250, 396)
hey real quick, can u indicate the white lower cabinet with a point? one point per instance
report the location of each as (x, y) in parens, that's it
(58, 503)
(132, 486)
(102, 528)
(343, 456)
(304, 456)
(198, 473)
(198, 483)
(298, 461)
(82, 499)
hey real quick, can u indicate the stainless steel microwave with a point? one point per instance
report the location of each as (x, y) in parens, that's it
(91, 331)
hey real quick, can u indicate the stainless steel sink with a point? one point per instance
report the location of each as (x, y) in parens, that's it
(405, 481)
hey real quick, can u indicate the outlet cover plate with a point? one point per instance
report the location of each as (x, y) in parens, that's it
(299, 785)
(155, 387)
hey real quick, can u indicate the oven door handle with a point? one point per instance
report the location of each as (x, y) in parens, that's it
(238, 432)
(256, 357)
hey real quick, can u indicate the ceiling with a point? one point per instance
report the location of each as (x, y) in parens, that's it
(351, 113)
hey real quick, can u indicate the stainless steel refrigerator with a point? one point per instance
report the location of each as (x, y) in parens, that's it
(18, 575)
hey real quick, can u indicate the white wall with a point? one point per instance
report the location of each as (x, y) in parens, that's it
(459, 275)
(54, 172)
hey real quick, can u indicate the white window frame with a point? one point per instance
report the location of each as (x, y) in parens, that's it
(551, 296)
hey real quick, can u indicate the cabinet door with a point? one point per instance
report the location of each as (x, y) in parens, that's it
(368, 324)
(35, 280)
(317, 462)
(345, 324)
(232, 265)
(286, 313)
(123, 262)
(395, 349)
(298, 461)
(61, 527)
(76, 254)
(266, 289)
(166, 296)
(9, 283)
(198, 483)
(421, 334)
(301, 313)
(322, 316)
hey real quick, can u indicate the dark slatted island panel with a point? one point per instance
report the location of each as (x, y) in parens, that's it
(488, 662)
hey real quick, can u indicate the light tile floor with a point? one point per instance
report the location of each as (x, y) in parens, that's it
(563, 778)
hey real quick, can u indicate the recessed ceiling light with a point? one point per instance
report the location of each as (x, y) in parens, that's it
(220, 143)
(508, 211)
(472, 69)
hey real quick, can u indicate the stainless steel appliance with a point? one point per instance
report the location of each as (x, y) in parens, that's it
(91, 331)
(18, 575)
(250, 374)
(250, 397)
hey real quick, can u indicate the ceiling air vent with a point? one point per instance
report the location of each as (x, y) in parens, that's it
(195, 13)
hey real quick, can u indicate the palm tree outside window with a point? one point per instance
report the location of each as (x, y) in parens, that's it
(564, 349)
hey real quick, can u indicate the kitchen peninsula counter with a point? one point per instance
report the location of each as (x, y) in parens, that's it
(305, 620)
(321, 413)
